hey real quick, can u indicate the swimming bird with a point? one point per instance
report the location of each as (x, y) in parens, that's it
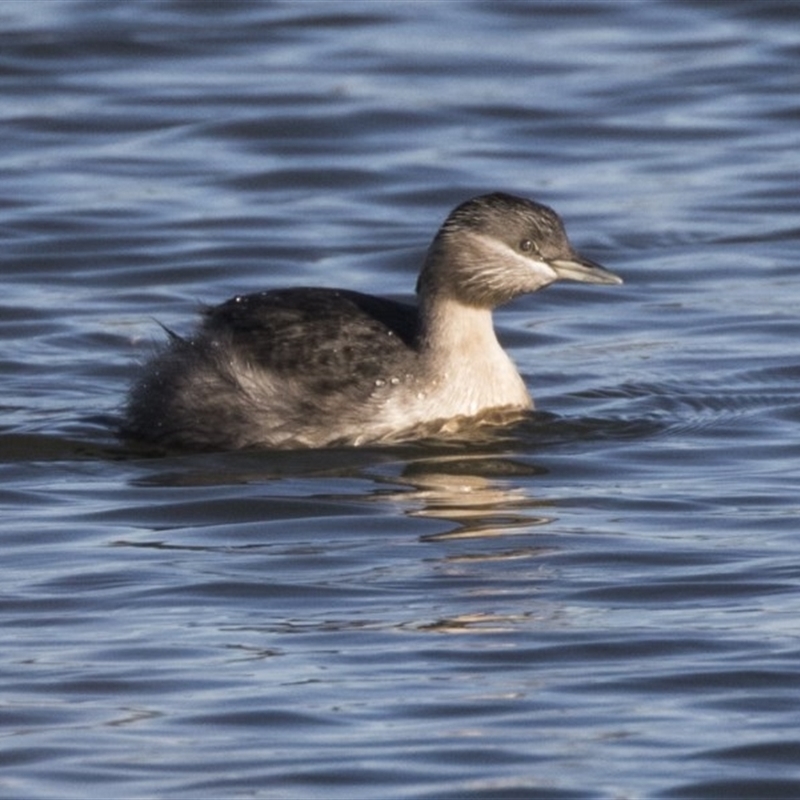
(315, 367)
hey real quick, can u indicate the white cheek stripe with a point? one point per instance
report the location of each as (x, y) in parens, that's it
(506, 254)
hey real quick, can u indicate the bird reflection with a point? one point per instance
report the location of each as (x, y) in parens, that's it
(488, 503)
(468, 492)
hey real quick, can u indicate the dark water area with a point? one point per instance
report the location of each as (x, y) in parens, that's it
(603, 603)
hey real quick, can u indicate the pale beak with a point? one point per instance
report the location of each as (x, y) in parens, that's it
(581, 269)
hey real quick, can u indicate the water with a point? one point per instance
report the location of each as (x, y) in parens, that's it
(603, 604)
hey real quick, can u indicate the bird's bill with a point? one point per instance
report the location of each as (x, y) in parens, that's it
(583, 270)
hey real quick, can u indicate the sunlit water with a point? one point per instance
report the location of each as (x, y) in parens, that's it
(604, 603)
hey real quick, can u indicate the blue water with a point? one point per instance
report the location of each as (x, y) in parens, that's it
(603, 604)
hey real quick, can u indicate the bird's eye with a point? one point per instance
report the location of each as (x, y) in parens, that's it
(526, 245)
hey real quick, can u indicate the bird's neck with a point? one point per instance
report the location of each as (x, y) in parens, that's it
(460, 347)
(452, 329)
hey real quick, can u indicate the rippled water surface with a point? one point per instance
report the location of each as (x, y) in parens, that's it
(604, 603)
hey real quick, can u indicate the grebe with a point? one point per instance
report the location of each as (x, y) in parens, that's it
(313, 367)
